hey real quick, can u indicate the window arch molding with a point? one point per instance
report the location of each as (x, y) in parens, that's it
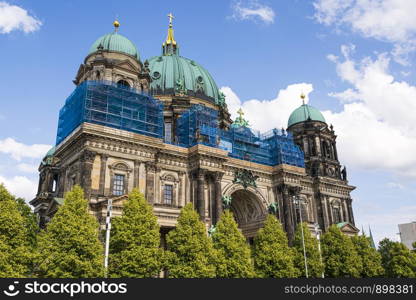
(119, 171)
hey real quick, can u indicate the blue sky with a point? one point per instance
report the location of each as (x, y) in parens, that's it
(354, 60)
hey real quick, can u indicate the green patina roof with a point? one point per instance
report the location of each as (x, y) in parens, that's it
(47, 160)
(342, 224)
(60, 201)
(304, 113)
(169, 70)
(115, 42)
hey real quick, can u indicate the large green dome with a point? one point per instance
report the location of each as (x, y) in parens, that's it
(115, 42)
(172, 72)
(305, 113)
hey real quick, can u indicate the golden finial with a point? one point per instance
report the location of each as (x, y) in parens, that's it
(170, 40)
(302, 96)
(116, 25)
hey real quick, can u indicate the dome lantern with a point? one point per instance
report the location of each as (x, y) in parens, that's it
(170, 46)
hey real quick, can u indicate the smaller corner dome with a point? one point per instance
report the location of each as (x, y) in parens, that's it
(115, 42)
(305, 113)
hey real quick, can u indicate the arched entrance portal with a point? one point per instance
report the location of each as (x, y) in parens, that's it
(248, 211)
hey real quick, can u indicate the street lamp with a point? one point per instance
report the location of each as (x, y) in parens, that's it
(107, 235)
(298, 202)
(318, 237)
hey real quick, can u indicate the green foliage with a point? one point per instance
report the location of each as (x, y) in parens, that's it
(30, 221)
(370, 258)
(397, 259)
(315, 266)
(339, 254)
(273, 258)
(191, 253)
(69, 247)
(234, 257)
(135, 241)
(15, 256)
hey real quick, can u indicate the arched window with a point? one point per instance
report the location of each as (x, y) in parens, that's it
(336, 213)
(97, 75)
(123, 83)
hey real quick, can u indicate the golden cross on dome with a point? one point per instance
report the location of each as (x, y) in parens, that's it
(171, 17)
(241, 113)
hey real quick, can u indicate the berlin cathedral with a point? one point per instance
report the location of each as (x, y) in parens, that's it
(161, 125)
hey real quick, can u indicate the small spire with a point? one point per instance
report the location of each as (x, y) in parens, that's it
(373, 245)
(170, 45)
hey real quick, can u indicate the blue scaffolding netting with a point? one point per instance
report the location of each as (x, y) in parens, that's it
(199, 125)
(106, 103)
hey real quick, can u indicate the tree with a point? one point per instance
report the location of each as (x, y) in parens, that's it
(30, 221)
(313, 257)
(15, 257)
(135, 241)
(191, 253)
(273, 258)
(70, 247)
(339, 254)
(397, 259)
(234, 257)
(370, 258)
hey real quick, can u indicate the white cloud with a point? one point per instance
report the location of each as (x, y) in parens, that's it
(395, 185)
(13, 17)
(386, 20)
(27, 168)
(253, 10)
(376, 128)
(20, 186)
(264, 115)
(384, 223)
(19, 150)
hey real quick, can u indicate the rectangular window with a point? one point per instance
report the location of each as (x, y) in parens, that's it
(168, 194)
(118, 185)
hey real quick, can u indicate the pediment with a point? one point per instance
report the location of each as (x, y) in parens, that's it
(348, 228)
(126, 64)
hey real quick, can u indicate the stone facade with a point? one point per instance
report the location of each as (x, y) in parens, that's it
(109, 163)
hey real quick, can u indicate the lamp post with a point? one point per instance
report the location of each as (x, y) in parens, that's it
(318, 237)
(107, 235)
(298, 202)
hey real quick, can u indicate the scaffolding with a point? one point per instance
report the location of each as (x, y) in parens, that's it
(106, 103)
(199, 125)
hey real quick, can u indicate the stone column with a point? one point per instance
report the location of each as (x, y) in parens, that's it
(350, 212)
(201, 194)
(150, 182)
(158, 197)
(324, 210)
(87, 160)
(306, 146)
(287, 212)
(103, 169)
(183, 189)
(346, 213)
(136, 172)
(218, 196)
(142, 178)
